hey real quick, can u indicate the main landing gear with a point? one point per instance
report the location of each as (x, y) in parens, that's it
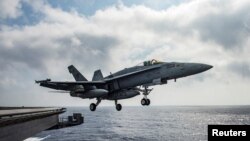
(93, 106)
(118, 106)
(145, 101)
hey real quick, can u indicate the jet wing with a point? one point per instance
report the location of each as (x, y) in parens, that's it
(67, 85)
(132, 73)
(84, 83)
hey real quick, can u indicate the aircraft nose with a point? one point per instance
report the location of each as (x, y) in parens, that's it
(205, 67)
(194, 68)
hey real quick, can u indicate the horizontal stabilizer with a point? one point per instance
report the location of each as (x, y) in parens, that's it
(69, 85)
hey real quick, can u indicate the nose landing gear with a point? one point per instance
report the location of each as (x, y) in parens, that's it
(145, 101)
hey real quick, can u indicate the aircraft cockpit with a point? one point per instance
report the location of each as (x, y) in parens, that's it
(150, 63)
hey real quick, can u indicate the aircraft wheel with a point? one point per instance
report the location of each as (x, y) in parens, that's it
(118, 107)
(92, 107)
(148, 102)
(144, 102)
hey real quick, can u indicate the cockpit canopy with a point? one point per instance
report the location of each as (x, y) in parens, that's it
(150, 63)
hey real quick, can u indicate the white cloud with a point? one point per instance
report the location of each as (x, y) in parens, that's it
(212, 32)
(10, 8)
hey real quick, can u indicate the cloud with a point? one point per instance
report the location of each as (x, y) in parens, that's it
(10, 8)
(119, 36)
(240, 68)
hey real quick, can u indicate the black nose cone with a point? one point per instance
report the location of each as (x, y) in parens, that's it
(207, 67)
(204, 67)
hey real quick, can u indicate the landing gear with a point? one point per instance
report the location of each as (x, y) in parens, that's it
(118, 106)
(93, 106)
(148, 102)
(145, 102)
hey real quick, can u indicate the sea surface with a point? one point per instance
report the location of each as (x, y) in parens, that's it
(163, 123)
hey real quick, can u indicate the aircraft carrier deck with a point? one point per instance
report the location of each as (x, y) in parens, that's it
(20, 123)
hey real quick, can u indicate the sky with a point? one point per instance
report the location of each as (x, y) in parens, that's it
(39, 39)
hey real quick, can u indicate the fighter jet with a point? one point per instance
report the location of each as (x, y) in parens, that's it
(126, 83)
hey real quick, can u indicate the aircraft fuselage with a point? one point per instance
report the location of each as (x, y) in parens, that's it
(159, 74)
(124, 84)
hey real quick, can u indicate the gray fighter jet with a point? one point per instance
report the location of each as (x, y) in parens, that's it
(126, 83)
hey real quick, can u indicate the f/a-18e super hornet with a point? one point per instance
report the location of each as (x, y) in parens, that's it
(126, 83)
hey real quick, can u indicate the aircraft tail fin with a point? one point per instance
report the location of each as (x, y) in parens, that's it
(76, 74)
(97, 75)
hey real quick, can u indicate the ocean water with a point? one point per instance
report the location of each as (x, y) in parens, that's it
(171, 123)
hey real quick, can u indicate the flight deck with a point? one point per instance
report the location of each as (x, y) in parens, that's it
(20, 123)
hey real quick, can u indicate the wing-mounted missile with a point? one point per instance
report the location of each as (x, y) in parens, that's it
(42, 81)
